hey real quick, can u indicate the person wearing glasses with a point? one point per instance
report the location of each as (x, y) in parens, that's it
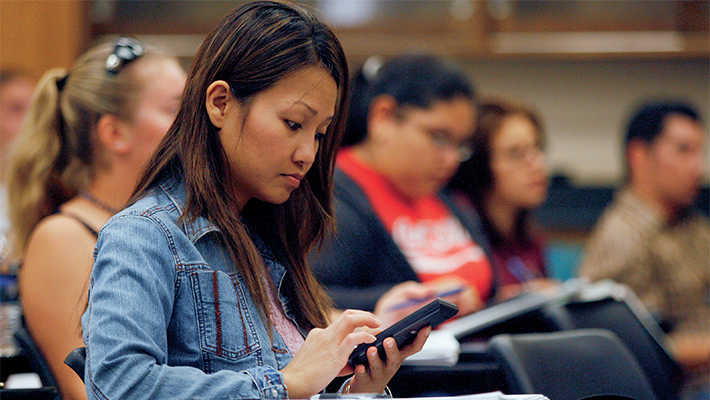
(505, 179)
(88, 132)
(399, 238)
(201, 287)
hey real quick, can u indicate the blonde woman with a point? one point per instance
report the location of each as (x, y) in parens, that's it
(89, 131)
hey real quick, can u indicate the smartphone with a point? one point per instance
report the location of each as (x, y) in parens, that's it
(406, 329)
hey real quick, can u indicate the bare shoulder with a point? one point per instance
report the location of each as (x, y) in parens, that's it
(59, 242)
(60, 229)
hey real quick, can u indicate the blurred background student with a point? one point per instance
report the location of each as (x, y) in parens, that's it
(16, 89)
(75, 163)
(652, 239)
(399, 237)
(505, 179)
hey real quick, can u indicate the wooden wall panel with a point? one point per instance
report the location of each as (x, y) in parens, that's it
(38, 35)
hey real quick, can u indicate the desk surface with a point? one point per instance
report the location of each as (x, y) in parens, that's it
(45, 393)
(474, 373)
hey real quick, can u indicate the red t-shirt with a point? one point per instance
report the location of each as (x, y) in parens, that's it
(432, 239)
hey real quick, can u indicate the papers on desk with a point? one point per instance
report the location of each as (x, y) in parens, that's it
(441, 348)
(489, 396)
(480, 396)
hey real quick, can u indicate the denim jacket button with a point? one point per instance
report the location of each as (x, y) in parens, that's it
(275, 393)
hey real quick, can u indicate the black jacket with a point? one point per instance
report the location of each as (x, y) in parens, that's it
(361, 261)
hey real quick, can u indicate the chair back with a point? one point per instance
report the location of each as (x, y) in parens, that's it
(569, 365)
(76, 360)
(617, 309)
(34, 356)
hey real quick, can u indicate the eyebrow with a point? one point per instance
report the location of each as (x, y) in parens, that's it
(311, 109)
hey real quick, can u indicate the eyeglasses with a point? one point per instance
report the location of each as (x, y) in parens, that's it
(444, 142)
(519, 154)
(125, 51)
(441, 138)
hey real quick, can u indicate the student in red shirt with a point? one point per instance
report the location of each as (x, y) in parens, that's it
(399, 237)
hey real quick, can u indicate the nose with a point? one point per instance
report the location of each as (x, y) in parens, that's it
(305, 151)
(697, 167)
(539, 162)
(452, 157)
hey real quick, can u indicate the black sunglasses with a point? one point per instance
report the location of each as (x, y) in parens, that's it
(125, 51)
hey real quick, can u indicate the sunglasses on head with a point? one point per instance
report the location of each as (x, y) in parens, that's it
(125, 51)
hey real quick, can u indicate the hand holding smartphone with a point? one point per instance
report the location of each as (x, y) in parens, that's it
(405, 330)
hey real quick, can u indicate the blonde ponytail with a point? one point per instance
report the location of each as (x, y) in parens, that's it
(56, 152)
(33, 161)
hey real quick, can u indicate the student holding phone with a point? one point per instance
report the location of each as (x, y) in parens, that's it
(201, 287)
(399, 238)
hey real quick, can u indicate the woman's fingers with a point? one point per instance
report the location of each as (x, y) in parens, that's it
(418, 342)
(350, 320)
(325, 353)
(375, 377)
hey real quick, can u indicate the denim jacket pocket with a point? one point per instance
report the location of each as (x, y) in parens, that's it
(226, 326)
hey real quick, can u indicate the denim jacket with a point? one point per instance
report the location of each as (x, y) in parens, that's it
(168, 316)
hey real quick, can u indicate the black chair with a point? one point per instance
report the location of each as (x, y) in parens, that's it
(569, 365)
(611, 306)
(30, 350)
(76, 360)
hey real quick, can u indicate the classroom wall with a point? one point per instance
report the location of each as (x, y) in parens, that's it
(585, 104)
(38, 35)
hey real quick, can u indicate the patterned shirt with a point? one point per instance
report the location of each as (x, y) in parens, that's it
(666, 265)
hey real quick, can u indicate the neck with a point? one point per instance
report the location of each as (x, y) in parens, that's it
(648, 196)
(112, 188)
(501, 216)
(377, 161)
(365, 156)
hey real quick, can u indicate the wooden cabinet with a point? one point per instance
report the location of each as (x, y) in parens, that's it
(459, 28)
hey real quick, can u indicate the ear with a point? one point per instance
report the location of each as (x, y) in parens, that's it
(637, 157)
(216, 102)
(112, 134)
(382, 117)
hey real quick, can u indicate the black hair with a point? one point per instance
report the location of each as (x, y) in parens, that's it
(412, 80)
(647, 123)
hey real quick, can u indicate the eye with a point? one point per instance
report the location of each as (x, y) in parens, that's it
(294, 126)
(439, 138)
(516, 153)
(320, 136)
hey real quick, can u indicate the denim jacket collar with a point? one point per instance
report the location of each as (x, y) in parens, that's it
(174, 187)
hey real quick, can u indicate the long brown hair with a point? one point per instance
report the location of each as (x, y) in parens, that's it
(254, 47)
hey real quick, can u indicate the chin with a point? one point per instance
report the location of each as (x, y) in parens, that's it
(276, 198)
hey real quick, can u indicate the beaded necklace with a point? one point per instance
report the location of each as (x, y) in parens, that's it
(97, 202)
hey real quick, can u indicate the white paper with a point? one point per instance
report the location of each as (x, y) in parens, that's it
(480, 396)
(441, 348)
(490, 396)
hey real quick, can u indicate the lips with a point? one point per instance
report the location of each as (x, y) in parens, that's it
(297, 176)
(294, 179)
